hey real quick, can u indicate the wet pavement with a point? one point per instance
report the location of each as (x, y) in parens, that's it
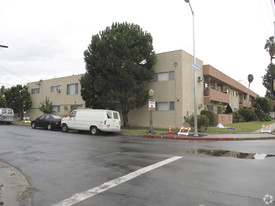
(57, 165)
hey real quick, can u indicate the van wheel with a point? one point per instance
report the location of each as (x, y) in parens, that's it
(94, 130)
(64, 128)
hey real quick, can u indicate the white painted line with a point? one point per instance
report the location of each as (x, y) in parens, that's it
(78, 197)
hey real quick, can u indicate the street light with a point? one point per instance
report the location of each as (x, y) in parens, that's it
(151, 108)
(195, 82)
(3, 46)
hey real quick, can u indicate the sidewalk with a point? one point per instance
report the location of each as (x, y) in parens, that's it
(256, 135)
(15, 189)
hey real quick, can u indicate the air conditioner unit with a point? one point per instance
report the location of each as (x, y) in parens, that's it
(58, 90)
(200, 78)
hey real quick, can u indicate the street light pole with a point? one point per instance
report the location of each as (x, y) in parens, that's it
(195, 78)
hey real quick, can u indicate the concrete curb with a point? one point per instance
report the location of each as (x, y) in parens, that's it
(207, 138)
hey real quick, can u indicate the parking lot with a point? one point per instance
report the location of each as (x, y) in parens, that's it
(81, 169)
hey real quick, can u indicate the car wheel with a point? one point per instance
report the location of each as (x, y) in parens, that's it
(64, 128)
(49, 127)
(94, 130)
(33, 125)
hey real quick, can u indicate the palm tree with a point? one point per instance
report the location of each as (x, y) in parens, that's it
(250, 79)
(270, 47)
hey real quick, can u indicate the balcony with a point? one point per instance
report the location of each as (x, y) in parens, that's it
(216, 96)
(245, 104)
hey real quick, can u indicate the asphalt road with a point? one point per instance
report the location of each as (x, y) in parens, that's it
(60, 165)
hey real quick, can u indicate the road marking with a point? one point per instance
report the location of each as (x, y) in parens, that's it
(78, 197)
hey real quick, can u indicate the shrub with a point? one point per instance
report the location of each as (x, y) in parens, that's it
(247, 114)
(263, 116)
(202, 120)
(237, 117)
(210, 115)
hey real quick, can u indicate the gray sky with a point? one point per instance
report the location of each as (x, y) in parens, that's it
(47, 39)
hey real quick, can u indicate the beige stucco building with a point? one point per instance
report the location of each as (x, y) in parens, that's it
(173, 86)
(63, 92)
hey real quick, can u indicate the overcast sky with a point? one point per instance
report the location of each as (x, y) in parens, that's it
(47, 38)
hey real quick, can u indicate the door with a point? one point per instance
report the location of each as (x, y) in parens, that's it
(71, 121)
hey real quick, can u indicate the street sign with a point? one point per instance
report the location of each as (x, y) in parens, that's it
(196, 67)
(152, 104)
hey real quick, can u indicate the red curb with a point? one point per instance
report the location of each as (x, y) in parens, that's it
(189, 138)
(206, 138)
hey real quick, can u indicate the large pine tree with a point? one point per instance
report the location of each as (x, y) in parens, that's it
(119, 65)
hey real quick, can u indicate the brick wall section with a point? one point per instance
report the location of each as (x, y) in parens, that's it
(224, 119)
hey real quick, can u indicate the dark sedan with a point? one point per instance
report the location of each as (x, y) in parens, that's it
(48, 121)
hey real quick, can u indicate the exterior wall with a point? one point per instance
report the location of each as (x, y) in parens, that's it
(224, 119)
(234, 100)
(180, 91)
(57, 98)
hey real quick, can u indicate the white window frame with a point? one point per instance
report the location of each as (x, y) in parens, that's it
(164, 76)
(56, 108)
(55, 88)
(35, 90)
(165, 106)
(72, 89)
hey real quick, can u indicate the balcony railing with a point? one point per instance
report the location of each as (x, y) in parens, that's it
(214, 95)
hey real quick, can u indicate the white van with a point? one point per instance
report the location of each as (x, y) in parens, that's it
(93, 120)
(6, 115)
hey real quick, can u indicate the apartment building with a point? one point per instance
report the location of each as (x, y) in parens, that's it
(173, 86)
(63, 92)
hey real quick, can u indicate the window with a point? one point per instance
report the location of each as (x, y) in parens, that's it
(73, 113)
(10, 111)
(164, 76)
(35, 91)
(219, 109)
(165, 106)
(109, 115)
(210, 107)
(55, 88)
(56, 108)
(4, 111)
(76, 107)
(72, 89)
(47, 117)
(115, 115)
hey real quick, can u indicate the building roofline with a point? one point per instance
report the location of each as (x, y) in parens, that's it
(209, 70)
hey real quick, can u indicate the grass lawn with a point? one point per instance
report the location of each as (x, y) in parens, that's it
(239, 127)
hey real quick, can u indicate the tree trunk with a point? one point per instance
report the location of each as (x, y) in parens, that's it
(125, 118)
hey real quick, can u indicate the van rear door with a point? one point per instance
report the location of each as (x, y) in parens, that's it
(116, 121)
(113, 120)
